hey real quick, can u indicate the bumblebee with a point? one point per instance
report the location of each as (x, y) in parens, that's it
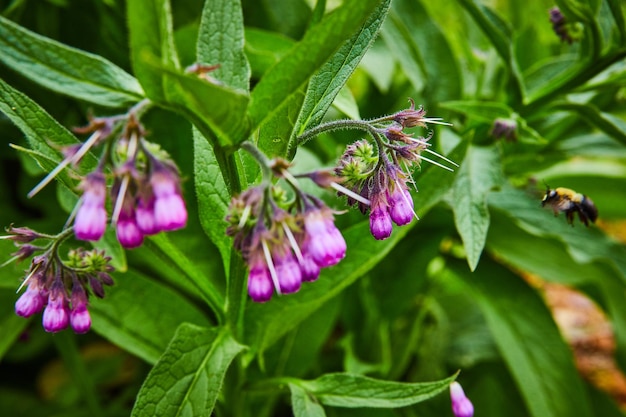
(570, 202)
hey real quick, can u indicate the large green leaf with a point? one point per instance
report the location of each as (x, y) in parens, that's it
(217, 111)
(429, 48)
(39, 128)
(352, 390)
(277, 86)
(11, 325)
(480, 172)
(221, 41)
(213, 196)
(332, 76)
(141, 315)
(151, 36)
(66, 70)
(303, 404)
(187, 379)
(528, 339)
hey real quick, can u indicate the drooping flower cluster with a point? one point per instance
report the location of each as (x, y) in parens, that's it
(60, 288)
(146, 193)
(283, 242)
(461, 405)
(378, 177)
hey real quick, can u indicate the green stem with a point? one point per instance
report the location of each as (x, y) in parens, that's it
(66, 345)
(336, 125)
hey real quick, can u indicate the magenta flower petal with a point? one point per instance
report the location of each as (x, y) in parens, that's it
(260, 286)
(56, 314)
(323, 241)
(401, 207)
(31, 302)
(144, 215)
(128, 232)
(380, 223)
(461, 405)
(169, 207)
(309, 269)
(289, 274)
(91, 217)
(80, 319)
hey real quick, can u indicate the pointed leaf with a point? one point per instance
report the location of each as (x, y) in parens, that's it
(529, 341)
(609, 124)
(332, 76)
(221, 41)
(66, 70)
(298, 66)
(187, 379)
(11, 325)
(303, 404)
(213, 196)
(151, 35)
(40, 130)
(141, 315)
(480, 172)
(352, 390)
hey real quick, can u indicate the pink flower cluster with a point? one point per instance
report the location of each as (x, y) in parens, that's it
(377, 178)
(283, 249)
(61, 290)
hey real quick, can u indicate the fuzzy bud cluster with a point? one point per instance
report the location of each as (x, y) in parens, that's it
(566, 31)
(61, 288)
(377, 177)
(284, 243)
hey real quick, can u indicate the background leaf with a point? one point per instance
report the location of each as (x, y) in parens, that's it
(350, 390)
(478, 175)
(66, 70)
(188, 377)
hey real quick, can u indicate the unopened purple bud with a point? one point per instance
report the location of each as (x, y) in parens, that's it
(324, 242)
(144, 213)
(96, 287)
(32, 301)
(128, 232)
(380, 220)
(169, 207)
(401, 206)
(288, 273)
(21, 234)
(79, 316)
(91, 217)
(461, 405)
(260, 286)
(105, 278)
(309, 268)
(56, 316)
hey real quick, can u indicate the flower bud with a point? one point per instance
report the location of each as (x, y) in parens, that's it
(79, 316)
(32, 301)
(170, 212)
(91, 217)
(461, 405)
(401, 206)
(56, 314)
(380, 220)
(260, 286)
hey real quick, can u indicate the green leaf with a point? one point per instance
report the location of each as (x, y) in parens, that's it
(480, 172)
(221, 41)
(326, 84)
(66, 70)
(187, 379)
(40, 129)
(395, 35)
(141, 315)
(303, 404)
(171, 254)
(484, 111)
(213, 196)
(609, 124)
(433, 52)
(529, 341)
(618, 15)
(278, 85)
(11, 325)
(217, 111)
(264, 49)
(351, 390)
(151, 36)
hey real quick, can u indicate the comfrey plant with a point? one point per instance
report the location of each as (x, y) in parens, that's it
(146, 199)
(252, 178)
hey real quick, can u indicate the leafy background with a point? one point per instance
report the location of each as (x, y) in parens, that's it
(465, 288)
